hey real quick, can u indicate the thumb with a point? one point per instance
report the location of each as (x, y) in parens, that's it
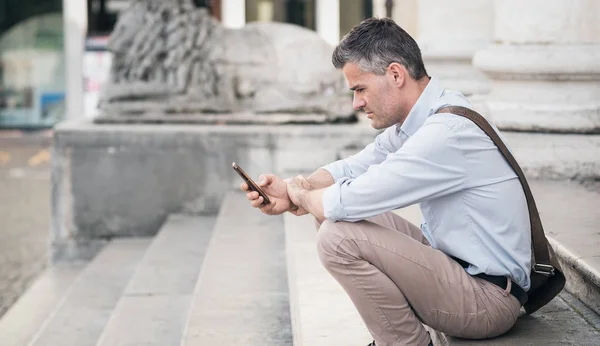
(265, 179)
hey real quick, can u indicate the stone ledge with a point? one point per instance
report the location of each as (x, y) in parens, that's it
(583, 279)
(538, 61)
(222, 119)
(556, 156)
(122, 180)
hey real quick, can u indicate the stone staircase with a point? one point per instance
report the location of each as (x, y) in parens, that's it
(243, 278)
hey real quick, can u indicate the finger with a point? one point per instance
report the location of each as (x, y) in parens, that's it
(257, 202)
(252, 195)
(244, 187)
(268, 208)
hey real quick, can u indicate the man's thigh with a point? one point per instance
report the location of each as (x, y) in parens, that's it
(438, 289)
(394, 221)
(397, 223)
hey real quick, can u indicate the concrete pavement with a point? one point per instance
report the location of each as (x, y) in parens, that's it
(24, 211)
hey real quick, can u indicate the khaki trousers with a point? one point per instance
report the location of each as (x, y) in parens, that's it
(398, 282)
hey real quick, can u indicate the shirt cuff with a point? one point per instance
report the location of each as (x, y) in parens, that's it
(332, 202)
(336, 169)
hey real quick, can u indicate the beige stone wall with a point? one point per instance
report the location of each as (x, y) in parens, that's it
(406, 14)
(545, 66)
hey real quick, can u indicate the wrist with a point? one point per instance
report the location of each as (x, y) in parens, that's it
(304, 183)
(294, 194)
(301, 197)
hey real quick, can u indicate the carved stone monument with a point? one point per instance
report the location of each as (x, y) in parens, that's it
(173, 62)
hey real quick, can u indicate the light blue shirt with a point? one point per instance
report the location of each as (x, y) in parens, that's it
(472, 202)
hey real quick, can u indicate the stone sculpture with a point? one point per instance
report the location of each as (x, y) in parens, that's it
(171, 58)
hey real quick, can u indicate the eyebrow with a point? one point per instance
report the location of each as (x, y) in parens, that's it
(358, 86)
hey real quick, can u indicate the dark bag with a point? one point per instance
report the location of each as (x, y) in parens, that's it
(547, 278)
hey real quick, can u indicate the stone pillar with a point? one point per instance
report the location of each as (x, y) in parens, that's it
(233, 13)
(405, 13)
(545, 66)
(449, 33)
(75, 31)
(328, 20)
(379, 8)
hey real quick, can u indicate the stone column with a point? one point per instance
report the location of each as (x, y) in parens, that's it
(75, 30)
(328, 20)
(379, 8)
(233, 13)
(545, 66)
(405, 13)
(449, 33)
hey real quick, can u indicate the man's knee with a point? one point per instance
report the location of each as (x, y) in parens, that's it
(329, 237)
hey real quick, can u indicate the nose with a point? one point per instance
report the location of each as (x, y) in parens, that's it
(358, 102)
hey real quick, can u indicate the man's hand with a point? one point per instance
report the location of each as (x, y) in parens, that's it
(276, 189)
(302, 194)
(295, 186)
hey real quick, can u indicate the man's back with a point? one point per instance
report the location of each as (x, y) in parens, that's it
(486, 222)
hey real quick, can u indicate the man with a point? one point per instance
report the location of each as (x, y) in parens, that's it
(475, 219)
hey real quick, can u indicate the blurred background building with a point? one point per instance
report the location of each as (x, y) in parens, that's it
(32, 64)
(53, 61)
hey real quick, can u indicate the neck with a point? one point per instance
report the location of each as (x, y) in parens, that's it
(417, 88)
(422, 84)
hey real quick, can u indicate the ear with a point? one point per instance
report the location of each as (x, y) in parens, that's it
(397, 74)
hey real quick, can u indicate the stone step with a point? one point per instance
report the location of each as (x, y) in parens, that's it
(322, 312)
(154, 307)
(556, 156)
(27, 316)
(563, 322)
(241, 297)
(571, 219)
(87, 306)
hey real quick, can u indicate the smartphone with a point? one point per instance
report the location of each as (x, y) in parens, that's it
(251, 184)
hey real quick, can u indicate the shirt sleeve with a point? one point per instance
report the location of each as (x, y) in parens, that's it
(357, 164)
(430, 164)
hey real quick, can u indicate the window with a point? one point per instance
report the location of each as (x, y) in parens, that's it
(300, 12)
(32, 68)
(352, 12)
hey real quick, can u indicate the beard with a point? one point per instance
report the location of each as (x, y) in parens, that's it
(378, 125)
(380, 122)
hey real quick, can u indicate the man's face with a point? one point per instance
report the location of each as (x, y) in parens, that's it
(375, 95)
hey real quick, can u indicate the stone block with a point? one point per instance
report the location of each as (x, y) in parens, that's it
(123, 180)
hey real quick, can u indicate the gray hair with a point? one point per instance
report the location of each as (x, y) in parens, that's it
(376, 43)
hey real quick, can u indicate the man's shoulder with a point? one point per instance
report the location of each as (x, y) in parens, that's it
(451, 98)
(452, 122)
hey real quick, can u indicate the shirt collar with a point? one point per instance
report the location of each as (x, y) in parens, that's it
(422, 109)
